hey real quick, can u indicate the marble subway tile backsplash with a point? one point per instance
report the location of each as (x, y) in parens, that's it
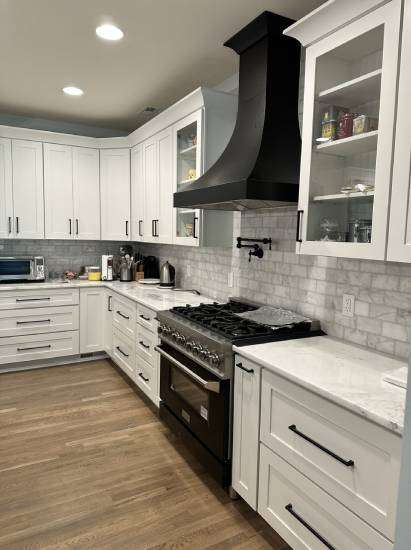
(312, 285)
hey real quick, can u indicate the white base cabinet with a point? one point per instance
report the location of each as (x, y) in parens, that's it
(92, 320)
(318, 473)
(247, 380)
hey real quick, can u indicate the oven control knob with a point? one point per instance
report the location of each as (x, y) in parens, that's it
(182, 340)
(196, 348)
(204, 352)
(166, 330)
(215, 359)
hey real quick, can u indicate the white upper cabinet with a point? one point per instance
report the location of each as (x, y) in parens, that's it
(164, 225)
(188, 166)
(71, 191)
(115, 194)
(138, 225)
(399, 240)
(6, 190)
(151, 209)
(348, 128)
(86, 193)
(28, 201)
(58, 191)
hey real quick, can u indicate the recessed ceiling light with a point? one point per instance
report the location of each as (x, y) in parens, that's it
(73, 90)
(109, 32)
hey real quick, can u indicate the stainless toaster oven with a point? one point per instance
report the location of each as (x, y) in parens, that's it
(21, 268)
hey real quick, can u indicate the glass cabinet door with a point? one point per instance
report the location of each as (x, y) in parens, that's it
(187, 135)
(349, 106)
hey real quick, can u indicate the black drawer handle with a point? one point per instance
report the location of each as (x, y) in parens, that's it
(31, 299)
(121, 351)
(240, 366)
(34, 347)
(31, 322)
(145, 318)
(144, 345)
(301, 520)
(143, 377)
(294, 429)
(122, 315)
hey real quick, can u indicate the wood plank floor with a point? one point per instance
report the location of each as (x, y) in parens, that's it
(85, 463)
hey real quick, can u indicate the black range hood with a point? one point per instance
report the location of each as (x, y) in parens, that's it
(260, 166)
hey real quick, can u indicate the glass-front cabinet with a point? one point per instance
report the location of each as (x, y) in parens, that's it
(349, 109)
(188, 167)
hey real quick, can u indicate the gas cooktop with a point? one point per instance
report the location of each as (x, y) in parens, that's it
(224, 320)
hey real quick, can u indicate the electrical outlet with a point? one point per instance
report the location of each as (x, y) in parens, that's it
(188, 270)
(230, 279)
(348, 305)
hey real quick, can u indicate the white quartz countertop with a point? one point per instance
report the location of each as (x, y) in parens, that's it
(348, 375)
(149, 295)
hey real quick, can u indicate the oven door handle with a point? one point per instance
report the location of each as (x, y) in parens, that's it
(206, 384)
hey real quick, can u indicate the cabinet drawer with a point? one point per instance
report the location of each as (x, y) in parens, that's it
(145, 343)
(123, 352)
(41, 346)
(146, 317)
(305, 515)
(340, 451)
(124, 315)
(20, 299)
(38, 320)
(146, 378)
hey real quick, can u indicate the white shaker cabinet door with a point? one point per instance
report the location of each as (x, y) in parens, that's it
(247, 383)
(28, 200)
(6, 193)
(164, 228)
(86, 193)
(58, 191)
(399, 240)
(150, 164)
(138, 221)
(92, 320)
(115, 194)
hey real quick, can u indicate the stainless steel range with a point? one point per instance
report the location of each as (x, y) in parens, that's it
(196, 375)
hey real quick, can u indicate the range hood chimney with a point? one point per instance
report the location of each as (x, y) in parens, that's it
(260, 166)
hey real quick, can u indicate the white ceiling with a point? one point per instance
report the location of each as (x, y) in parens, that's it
(170, 47)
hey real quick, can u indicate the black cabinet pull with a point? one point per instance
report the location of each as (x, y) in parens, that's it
(109, 308)
(152, 228)
(126, 228)
(140, 233)
(76, 226)
(17, 225)
(294, 429)
(121, 351)
(195, 227)
(145, 318)
(30, 322)
(298, 232)
(9, 224)
(144, 345)
(301, 520)
(34, 347)
(69, 226)
(156, 222)
(122, 315)
(240, 366)
(143, 377)
(31, 299)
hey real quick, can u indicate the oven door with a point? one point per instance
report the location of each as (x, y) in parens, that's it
(197, 398)
(15, 269)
